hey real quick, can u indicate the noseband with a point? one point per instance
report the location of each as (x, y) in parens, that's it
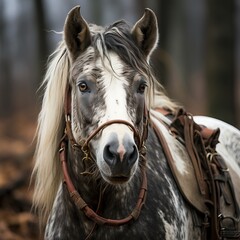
(83, 145)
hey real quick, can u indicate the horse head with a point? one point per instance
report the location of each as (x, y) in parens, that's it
(109, 81)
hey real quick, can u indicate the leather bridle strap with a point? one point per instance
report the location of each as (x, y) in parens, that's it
(82, 205)
(83, 144)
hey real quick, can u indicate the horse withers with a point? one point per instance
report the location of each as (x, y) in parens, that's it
(101, 171)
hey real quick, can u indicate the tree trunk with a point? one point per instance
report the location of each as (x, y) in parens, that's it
(237, 63)
(42, 40)
(5, 73)
(220, 59)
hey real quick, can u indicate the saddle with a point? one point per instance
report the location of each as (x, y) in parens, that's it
(207, 186)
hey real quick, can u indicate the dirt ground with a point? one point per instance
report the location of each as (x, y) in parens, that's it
(17, 221)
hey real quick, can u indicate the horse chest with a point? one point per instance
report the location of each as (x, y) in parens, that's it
(161, 217)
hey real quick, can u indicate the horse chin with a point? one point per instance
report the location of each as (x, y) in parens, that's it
(115, 176)
(117, 179)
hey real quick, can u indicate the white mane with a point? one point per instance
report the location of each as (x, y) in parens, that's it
(47, 170)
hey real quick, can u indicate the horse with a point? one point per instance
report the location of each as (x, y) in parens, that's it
(100, 170)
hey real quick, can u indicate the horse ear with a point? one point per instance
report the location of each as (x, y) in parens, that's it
(145, 32)
(76, 33)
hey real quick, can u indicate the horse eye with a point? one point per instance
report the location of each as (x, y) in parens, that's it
(83, 87)
(141, 88)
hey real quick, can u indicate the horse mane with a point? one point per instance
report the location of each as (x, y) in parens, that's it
(47, 170)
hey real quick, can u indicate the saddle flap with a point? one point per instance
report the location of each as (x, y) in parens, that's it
(186, 182)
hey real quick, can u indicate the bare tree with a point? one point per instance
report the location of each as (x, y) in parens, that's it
(42, 39)
(5, 73)
(220, 59)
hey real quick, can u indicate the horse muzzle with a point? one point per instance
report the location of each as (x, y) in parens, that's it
(116, 150)
(116, 159)
(120, 158)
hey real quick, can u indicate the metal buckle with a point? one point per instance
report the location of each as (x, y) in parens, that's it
(210, 156)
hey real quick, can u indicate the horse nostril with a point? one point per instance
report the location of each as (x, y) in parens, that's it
(110, 155)
(132, 155)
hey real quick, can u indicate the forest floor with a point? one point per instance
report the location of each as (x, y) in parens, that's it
(17, 220)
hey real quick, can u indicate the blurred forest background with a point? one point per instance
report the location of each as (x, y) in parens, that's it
(197, 61)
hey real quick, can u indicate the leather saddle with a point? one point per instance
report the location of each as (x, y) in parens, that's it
(207, 185)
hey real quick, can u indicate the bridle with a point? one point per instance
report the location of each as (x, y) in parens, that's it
(83, 145)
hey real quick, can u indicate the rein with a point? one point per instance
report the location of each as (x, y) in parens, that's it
(83, 145)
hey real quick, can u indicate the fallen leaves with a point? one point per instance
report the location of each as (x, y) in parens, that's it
(17, 221)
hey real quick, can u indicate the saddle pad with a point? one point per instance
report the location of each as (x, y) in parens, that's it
(179, 162)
